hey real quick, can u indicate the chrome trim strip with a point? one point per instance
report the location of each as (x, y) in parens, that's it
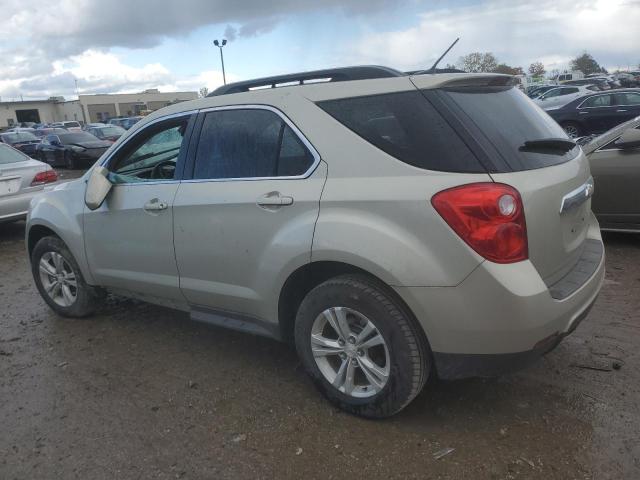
(578, 196)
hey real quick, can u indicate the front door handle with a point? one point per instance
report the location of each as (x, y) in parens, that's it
(155, 205)
(274, 200)
(620, 110)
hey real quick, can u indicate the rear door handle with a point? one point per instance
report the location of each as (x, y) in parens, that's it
(620, 110)
(154, 205)
(274, 199)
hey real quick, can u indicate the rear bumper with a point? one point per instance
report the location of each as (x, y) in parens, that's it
(500, 318)
(15, 207)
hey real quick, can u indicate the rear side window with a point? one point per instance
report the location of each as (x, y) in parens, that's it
(249, 143)
(508, 119)
(406, 126)
(599, 101)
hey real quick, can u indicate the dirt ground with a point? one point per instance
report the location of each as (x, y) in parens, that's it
(140, 391)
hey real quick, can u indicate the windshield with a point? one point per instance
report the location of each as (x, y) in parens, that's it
(81, 137)
(509, 119)
(10, 155)
(112, 131)
(19, 137)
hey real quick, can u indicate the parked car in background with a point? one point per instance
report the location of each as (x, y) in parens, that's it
(72, 126)
(559, 96)
(568, 76)
(280, 219)
(614, 157)
(91, 125)
(21, 178)
(42, 132)
(611, 80)
(536, 91)
(110, 133)
(597, 112)
(24, 141)
(125, 123)
(628, 80)
(71, 149)
(594, 83)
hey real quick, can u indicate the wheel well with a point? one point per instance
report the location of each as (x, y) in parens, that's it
(36, 233)
(305, 279)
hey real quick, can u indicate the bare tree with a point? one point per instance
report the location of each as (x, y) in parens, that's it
(204, 91)
(537, 69)
(478, 62)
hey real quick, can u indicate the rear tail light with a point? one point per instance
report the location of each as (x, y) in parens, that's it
(48, 176)
(489, 217)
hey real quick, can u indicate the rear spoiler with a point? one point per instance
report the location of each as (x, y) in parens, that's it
(480, 80)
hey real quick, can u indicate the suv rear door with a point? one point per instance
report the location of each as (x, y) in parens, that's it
(245, 218)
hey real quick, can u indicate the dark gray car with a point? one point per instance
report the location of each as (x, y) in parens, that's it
(615, 165)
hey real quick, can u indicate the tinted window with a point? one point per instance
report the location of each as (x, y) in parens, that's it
(407, 127)
(599, 101)
(508, 119)
(19, 137)
(629, 98)
(152, 154)
(249, 143)
(9, 155)
(570, 90)
(80, 137)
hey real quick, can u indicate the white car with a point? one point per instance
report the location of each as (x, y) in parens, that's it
(21, 178)
(559, 96)
(72, 126)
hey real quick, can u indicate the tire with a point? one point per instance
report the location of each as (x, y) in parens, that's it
(69, 161)
(84, 297)
(359, 300)
(572, 129)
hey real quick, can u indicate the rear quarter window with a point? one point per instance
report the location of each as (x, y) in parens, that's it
(406, 126)
(508, 119)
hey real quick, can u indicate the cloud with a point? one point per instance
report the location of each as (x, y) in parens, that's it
(518, 32)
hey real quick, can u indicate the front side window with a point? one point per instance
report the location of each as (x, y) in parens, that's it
(249, 143)
(599, 101)
(151, 155)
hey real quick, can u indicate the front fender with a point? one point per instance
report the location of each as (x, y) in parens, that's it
(61, 211)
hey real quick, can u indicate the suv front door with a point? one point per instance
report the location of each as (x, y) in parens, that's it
(129, 239)
(245, 219)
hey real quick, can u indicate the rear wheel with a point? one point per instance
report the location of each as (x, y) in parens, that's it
(360, 347)
(572, 129)
(59, 279)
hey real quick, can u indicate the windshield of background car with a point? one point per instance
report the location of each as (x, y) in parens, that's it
(81, 137)
(19, 137)
(112, 131)
(508, 119)
(10, 155)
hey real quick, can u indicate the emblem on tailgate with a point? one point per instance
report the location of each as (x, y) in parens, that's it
(578, 196)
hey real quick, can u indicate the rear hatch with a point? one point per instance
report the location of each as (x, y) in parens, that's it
(521, 146)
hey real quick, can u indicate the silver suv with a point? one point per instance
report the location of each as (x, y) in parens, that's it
(391, 226)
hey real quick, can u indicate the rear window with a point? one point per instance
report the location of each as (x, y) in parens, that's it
(9, 155)
(406, 126)
(508, 119)
(79, 137)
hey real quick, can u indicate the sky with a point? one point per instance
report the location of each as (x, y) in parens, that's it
(116, 46)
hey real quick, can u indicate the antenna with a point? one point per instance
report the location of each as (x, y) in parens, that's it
(433, 67)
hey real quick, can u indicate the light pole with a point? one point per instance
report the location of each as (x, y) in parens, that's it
(220, 45)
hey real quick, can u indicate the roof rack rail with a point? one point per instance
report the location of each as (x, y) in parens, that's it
(316, 76)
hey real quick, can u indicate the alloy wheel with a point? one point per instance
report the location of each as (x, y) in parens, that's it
(571, 131)
(350, 352)
(58, 279)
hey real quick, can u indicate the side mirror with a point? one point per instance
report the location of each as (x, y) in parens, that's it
(629, 139)
(98, 187)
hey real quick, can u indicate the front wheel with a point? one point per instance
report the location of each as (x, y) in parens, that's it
(572, 129)
(360, 348)
(59, 279)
